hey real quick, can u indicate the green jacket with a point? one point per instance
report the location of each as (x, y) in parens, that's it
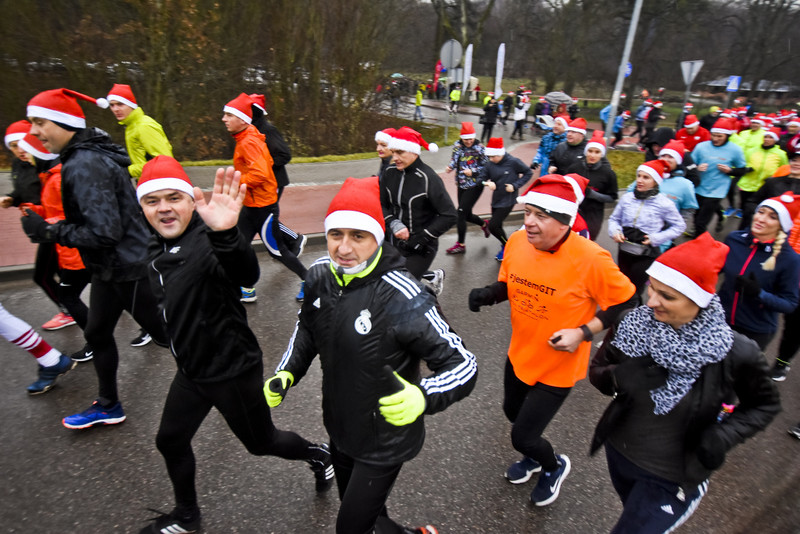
(764, 163)
(144, 139)
(748, 139)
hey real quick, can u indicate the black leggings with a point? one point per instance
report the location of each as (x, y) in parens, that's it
(264, 222)
(106, 302)
(486, 134)
(241, 402)
(363, 490)
(467, 198)
(418, 264)
(708, 207)
(518, 128)
(762, 339)
(634, 268)
(69, 293)
(530, 409)
(45, 268)
(496, 223)
(790, 339)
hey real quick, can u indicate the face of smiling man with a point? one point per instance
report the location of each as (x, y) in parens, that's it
(168, 211)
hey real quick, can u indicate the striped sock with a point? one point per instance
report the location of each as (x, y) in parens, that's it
(40, 349)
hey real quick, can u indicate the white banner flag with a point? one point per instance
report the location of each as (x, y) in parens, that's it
(498, 76)
(467, 71)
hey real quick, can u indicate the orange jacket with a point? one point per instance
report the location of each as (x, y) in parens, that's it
(252, 158)
(52, 210)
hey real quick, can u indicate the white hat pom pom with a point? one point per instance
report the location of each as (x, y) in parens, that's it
(433, 147)
(102, 103)
(786, 198)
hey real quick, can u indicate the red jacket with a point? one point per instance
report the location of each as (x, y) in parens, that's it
(690, 141)
(252, 158)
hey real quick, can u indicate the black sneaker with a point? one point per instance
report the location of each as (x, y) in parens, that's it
(427, 529)
(83, 355)
(142, 339)
(549, 484)
(171, 524)
(795, 431)
(779, 372)
(322, 466)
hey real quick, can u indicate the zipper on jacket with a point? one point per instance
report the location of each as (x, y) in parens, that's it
(736, 293)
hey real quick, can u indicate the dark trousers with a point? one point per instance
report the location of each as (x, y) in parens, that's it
(639, 130)
(790, 339)
(70, 288)
(762, 339)
(264, 222)
(418, 264)
(45, 267)
(466, 201)
(486, 134)
(651, 504)
(617, 138)
(241, 402)
(530, 409)
(518, 128)
(363, 490)
(732, 192)
(747, 215)
(634, 268)
(499, 215)
(106, 303)
(707, 208)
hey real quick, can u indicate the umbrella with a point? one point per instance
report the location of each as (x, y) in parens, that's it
(558, 97)
(397, 75)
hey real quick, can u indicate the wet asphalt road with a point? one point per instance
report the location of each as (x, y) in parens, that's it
(103, 480)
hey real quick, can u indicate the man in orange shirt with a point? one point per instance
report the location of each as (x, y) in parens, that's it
(554, 281)
(260, 212)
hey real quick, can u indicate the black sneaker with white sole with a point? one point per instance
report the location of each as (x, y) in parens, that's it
(322, 466)
(142, 339)
(83, 355)
(171, 523)
(549, 484)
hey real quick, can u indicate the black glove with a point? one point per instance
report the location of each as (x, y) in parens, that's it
(639, 374)
(418, 243)
(480, 296)
(535, 165)
(36, 228)
(748, 285)
(592, 194)
(712, 449)
(633, 234)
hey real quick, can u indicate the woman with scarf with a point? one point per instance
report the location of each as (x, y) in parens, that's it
(673, 367)
(642, 221)
(762, 271)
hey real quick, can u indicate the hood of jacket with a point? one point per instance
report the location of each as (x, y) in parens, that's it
(99, 141)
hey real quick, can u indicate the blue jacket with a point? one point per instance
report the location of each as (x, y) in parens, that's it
(779, 288)
(509, 170)
(549, 142)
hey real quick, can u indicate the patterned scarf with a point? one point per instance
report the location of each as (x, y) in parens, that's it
(683, 353)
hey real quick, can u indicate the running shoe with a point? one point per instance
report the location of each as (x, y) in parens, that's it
(249, 294)
(499, 256)
(59, 321)
(322, 466)
(48, 375)
(427, 529)
(302, 240)
(301, 295)
(779, 372)
(522, 471)
(83, 355)
(549, 484)
(485, 228)
(728, 212)
(142, 339)
(437, 282)
(171, 524)
(95, 415)
(795, 431)
(738, 214)
(458, 248)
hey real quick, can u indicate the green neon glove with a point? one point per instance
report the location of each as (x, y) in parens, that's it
(405, 406)
(275, 388)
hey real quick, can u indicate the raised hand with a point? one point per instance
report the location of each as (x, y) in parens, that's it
(221, 210)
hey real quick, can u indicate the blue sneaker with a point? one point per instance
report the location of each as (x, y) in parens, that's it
(549, 484)
(48, 375)
(95, 415)
(499, 256)
(302, 293)
(248, 294)
(728, 212)
(522, 471)
(738, 214)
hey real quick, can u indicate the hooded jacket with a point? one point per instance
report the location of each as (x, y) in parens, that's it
(382, 318)
(144, 139)
(764, 161)
(252, 158)
(603, 180)
(509, 170)
(196, 279)
(103, 218)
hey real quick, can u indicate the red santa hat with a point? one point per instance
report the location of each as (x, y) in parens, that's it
(411, 140)
(578, 125)
(787, 206)
(558, 196)
(656, 169)
(259, 101)
(357, 205)
(597, 141)
(688, 105)
(675, 149)
(16, 131)
(467, 130)
(495, 147)
(32, 145)
(692, 268)
(795, 121)
(122, 93)
(775, 133)
(241, 107)
(163, 172)
(727, 113)
(658, 104)
(724, 126)
(562, 120)
(626, 114)
(760, 118)
(542, 99)
(691, 121)
(61, 106)
(385, 136)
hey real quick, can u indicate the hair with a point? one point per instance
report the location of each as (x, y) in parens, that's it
(769, 264)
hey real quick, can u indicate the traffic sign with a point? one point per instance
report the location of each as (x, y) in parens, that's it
(628, 69)
(690, 70)
(450, 54)
(733, 83)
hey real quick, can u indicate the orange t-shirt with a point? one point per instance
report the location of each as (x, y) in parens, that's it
(550, 291)
(252, 158)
